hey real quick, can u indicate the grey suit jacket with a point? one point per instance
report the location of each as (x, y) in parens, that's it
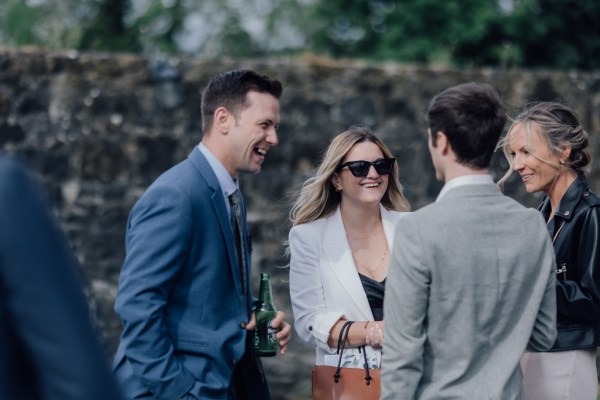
(471, 285)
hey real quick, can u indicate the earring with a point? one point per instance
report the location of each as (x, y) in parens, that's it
(562, 162)
(337, 189)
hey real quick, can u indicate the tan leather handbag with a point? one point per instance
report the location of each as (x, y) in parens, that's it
(339, 383)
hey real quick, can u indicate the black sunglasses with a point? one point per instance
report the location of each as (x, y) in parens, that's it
(360, 168)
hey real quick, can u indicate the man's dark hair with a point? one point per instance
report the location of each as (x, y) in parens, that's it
(472, 117)
(229, 90)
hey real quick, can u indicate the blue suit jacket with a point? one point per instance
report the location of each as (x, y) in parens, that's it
(180, 296)
(48, 348)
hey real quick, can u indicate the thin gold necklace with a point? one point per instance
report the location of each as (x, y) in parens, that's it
(368, 236)
(379, 264)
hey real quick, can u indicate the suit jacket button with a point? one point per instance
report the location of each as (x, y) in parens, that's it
(234, 362)
(243, 325)
(310, 328)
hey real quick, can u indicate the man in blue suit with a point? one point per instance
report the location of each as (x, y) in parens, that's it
(48, 347)
(183, 298)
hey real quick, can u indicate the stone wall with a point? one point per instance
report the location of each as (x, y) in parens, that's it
(99, 128)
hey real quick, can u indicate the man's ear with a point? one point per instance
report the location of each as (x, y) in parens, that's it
(222, 118)
(442, 142)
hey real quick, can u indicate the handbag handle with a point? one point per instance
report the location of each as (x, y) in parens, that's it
(341, 346)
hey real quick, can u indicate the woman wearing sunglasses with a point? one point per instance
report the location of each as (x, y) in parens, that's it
(547, 146)
(343, 223)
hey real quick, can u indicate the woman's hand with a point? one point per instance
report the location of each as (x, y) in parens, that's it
(374, 335)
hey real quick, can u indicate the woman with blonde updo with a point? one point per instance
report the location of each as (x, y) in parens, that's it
(547, 146)
(343, 225)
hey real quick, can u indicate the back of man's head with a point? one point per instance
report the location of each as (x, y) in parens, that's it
(229, 90)
(472, 117)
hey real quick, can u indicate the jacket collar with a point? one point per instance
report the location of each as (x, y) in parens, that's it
(465, 180)
(569, 200)
(226, 182)
(339, 258)
(204, 168)
(484, 189)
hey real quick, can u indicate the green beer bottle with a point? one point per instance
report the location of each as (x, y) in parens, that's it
(265, 344)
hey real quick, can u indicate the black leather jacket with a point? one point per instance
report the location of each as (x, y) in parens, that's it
(576, 237)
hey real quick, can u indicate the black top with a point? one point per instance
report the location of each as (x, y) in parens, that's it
(374, 291)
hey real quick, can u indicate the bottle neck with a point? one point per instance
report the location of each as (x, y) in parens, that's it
(265, 296)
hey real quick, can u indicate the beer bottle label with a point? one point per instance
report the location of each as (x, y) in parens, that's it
(265, 342)
(271, 335)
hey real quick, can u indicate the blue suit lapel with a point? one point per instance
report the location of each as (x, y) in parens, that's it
(203, 167)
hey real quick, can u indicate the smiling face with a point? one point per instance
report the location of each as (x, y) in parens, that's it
(252, 133)
(361, 190)
(532, 159)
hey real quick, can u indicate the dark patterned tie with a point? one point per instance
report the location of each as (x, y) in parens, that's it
(235, 200)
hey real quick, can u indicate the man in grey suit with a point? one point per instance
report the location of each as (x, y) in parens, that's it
(472, 277)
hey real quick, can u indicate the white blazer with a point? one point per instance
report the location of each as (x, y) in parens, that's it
(324, 282)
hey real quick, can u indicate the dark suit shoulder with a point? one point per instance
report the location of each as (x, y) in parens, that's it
(12, 171)
(187, 174)
(8, 165)
(182, 178)
(18, 187)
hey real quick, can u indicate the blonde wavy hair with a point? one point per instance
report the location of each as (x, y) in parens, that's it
(318, 197)
(559, 127)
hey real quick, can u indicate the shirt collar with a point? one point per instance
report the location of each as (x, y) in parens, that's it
(463, 180)
(228, 185)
